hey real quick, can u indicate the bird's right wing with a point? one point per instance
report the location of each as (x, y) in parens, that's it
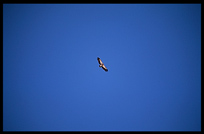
(104, 68)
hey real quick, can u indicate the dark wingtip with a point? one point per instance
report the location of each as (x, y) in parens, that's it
(106, 70)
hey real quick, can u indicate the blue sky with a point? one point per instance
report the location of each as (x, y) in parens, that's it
(52, 80)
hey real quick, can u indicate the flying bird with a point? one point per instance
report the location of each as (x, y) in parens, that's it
(101, 64)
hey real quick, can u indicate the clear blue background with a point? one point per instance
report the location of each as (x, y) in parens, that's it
(52, 80)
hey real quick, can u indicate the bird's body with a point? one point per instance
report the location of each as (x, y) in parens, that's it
(101, 64)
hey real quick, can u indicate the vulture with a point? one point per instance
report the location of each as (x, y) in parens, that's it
(101, 64)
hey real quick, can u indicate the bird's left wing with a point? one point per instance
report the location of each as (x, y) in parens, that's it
(99, 61)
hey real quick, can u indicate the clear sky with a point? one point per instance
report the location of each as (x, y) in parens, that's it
(52, 80)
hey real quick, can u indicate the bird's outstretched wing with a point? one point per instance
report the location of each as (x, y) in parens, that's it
(104, 68)
(99, 61)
